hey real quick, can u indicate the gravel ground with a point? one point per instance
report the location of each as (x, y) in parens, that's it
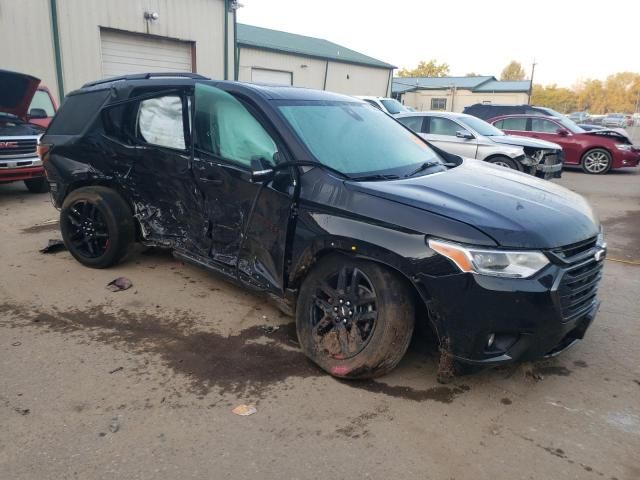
(140, 384)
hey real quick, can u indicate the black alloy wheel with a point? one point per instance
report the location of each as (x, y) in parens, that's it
(343, 313)
(88, 231)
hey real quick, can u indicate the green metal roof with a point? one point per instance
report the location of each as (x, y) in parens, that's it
(480, 83)
(267, 39)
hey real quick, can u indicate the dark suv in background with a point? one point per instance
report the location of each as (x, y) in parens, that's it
(486, 111)
(341, 215)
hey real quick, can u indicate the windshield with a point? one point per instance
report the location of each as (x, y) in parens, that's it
(42, 100)
(569, 125)
(481, 127)
(393, 106)
(355, 139)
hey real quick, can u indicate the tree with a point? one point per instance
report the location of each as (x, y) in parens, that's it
(513, 71)
(552, 96)
(426, 69)
(618, 93)
(472, 74)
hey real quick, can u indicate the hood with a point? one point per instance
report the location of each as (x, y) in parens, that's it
(16, 92)
(525, 142)
(613, 133)
(515, 209)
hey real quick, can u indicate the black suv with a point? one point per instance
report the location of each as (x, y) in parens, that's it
(343, 216)
(487, 111)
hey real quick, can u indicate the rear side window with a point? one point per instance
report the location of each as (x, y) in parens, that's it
(414, 123)
(519, 124)
(76, 113)
(160, 122)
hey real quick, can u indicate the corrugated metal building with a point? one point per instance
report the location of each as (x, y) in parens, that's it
(69, 42)
(454, 93)
(281, 58)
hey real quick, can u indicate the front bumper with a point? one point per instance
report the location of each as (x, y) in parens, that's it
(528, 318)
(622, 158)
(16, 169)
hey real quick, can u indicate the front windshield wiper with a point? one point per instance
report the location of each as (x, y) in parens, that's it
(422, 168)
(377, 176)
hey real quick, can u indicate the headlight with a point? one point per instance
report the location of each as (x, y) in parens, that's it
(496, 263)
(624, 147)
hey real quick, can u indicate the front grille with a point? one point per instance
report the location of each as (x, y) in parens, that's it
(13, 148)
(576, 251)
(578, 288)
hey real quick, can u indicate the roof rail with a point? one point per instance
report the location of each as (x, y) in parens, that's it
(146, 76)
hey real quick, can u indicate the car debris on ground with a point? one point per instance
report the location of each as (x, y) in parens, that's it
(119, 284)
(53, 245)
(244, 410)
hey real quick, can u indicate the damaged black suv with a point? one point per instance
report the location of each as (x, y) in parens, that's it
(343, 216)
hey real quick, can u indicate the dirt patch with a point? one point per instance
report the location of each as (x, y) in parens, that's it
(544, 370)
(622, 235)
(440, 394)
(506, 401)
(358, 426)
(580, 364)
(245, 364)
(45, 227)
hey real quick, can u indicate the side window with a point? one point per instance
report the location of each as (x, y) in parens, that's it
(499, 124)
(160, 122)
(443, 126)
(414, 123)
(226, 129)
(543, 126)
(519, 124)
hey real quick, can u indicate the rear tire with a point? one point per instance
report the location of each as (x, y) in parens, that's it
(596, 161)
(354, 318)
(504, 162)
(97, 226)
(37, 185)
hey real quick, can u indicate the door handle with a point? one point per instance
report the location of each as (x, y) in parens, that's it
(211, 181)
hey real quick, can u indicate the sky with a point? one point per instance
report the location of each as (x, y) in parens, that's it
(570, 40)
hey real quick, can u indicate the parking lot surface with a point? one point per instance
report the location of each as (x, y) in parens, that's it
(140, 383)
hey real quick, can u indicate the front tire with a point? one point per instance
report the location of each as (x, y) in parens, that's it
(354, 318)
(504, 162)
(596, 161)
(37, 185)
(97, 226)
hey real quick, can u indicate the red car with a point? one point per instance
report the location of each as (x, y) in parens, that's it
(26, 109)
(596, 151)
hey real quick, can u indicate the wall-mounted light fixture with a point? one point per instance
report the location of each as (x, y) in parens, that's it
(151, 16)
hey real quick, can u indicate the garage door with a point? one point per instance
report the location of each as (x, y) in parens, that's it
(126, 53)
(270, 77)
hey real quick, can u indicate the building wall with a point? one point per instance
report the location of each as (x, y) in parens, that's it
(26, 26)
(357, 79)
(307, 72)
(421, 99)
(30, 53)
(310, 72)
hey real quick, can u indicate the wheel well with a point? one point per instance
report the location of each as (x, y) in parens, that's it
(502, 155)
(420, 299)
(106, 184)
